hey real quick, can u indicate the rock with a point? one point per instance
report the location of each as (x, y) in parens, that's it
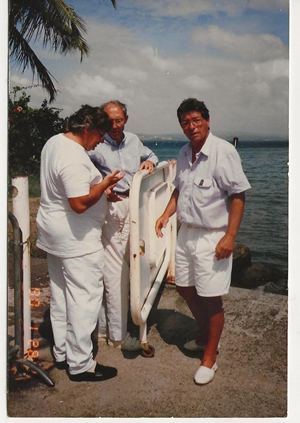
(241, 261)
(260, 274)
(280, 287)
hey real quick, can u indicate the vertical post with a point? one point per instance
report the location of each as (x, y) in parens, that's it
(20, 203)
(235, 141)
(18, 280)
(173, 223)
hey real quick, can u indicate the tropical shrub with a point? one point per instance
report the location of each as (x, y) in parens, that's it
(28, 130)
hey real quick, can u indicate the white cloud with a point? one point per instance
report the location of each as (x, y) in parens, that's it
(87, 87)
(130, 74)
(261, 89)
(19, 81)
(158, 62)
(272, 69)
(197, 83)
(248, 47)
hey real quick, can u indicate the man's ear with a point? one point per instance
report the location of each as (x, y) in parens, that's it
(126, 118)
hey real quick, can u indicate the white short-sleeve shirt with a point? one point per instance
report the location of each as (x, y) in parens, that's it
(206, 185)
(67, 172)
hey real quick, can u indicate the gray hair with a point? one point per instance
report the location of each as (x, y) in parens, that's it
(117, 103)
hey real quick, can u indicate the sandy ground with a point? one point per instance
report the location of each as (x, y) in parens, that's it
(251, 380)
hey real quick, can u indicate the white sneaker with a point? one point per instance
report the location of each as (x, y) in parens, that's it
(205, 375)
(192, 346)
(129, 344)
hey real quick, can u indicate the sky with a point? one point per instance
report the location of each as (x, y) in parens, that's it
(151, 55)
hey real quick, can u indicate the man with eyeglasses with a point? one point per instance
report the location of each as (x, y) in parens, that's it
(209, 198)
(124, 151)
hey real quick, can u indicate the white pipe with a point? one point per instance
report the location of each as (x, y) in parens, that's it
(20, 203)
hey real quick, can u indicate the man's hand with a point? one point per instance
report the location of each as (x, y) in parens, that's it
(112, 196)
(224, 247)
(82, 203)
(147, 165)
(113, 178)
(161, 223)
(226, 244)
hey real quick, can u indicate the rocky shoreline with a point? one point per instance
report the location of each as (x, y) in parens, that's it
(263, 276)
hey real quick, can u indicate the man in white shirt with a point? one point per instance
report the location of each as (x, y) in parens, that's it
(124, 151)
(209, 198)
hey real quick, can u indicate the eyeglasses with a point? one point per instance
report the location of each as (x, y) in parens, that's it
(117, 122)
(196, 122)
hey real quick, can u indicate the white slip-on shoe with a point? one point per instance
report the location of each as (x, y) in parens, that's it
(192, 346)
(205, 375)
(130, 344)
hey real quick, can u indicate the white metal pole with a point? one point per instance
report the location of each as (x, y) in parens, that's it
(20, 203)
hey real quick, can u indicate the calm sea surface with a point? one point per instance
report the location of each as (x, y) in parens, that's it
(264, 228)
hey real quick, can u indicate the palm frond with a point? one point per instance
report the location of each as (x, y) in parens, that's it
(55, 23)
(22, 53)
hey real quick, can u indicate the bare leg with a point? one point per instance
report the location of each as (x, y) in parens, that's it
(216, 324)
(209, 314)
(198, 310)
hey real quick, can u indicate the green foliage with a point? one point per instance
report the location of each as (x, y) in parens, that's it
(29, 129)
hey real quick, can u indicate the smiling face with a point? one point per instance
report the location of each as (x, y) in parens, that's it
(195, 128)
(116, 116)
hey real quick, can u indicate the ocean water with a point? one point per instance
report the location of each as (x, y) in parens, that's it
(264, 228)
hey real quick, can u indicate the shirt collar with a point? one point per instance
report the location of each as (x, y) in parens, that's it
(112, 141)
(206, 148)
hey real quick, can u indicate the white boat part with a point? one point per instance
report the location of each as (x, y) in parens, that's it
(151, 258)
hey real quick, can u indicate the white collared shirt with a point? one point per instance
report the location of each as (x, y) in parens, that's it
(127, 157)
(206, 185)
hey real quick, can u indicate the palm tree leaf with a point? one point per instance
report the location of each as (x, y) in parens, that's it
(25, 57)
(52, 20)
(55, 23)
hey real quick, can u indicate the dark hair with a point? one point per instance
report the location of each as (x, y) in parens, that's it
(192, 104)
(117, 103)
(92, 118)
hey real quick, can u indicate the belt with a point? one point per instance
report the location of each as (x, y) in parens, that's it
(124, 193)
(201, 227)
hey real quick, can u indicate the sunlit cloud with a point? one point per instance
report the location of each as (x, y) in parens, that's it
(197, 83)
(248, 47)
(240, 73)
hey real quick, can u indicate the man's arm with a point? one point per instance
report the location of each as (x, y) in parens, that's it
(148, 159)
(163, 220)
(226, 244)
(81, 204)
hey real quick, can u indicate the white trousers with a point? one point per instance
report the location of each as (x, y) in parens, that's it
(76, 296)
(115, 240)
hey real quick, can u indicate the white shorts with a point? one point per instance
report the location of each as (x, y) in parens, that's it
(196, 264)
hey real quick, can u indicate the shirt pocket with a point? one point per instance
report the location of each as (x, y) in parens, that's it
(203, 189)
(204, 183)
